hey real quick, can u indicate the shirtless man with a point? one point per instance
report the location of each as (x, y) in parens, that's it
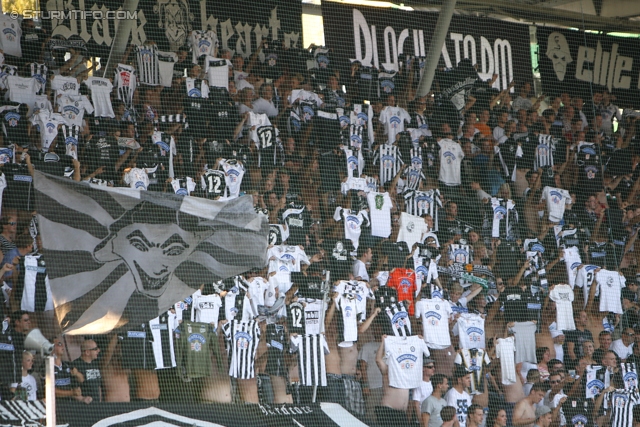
(524, 413)
(395, 401)
(115, 377)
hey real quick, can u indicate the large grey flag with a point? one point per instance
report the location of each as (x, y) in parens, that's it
(119, 255)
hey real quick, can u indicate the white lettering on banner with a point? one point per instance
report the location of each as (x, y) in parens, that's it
(174, 17)
(496, 58)
(607, 67)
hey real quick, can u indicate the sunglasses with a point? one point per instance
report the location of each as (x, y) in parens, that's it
(11, 223)
(430, 367)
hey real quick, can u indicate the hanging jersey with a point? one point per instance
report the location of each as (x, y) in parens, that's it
(388, 157)
(597, 252)
(183, 186)
(214, 183)
(62, 85)
(380, 213)
(361, 119)
(451, 155)
(126, 82)
(595, 377)
(22, 89)
(101, 96)
(311, 351)
(298, 220)
(73, 108)
(470, 329)
(420, 203)
(543, 152)
(505, 217)
(348, 327)
(234, 171)
(412, 228)
(196, 88)
(460, 254)
(572, 260)
(162, 332)
(353, 223)
(206, 308)
(562, 295)
(393, 120)
(505, 351)
(610, 284)
(621, 402)
(435, 315)
(217, 72)
(404, 282)
(6, 70)
(276, 340)
(36, 289)
(413, 177)
(203, 43)
(41, 103)
(557, 199)
(355, 162)
(400, 323)
(403, 356)
(10, 35)
(295, 318)
(312, 310)
(474, 360)
(71, 136)
(136, 178)
(629, 375)
(148, 68)
(47, 123)
(242, 344)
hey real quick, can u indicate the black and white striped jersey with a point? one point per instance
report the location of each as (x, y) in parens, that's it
(162, 332)
(311, 361)
(39, 72)
(148, 67)
(388, 157)
(399, 321)
(126, 82)
(620, 404)
(242, 344)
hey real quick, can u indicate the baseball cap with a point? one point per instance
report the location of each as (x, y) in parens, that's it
(460, 371)
(542, 410)
(427, 361)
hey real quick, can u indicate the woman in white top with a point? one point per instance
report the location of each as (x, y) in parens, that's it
(29, 384)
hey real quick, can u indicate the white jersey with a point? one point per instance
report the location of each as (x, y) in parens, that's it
(184, 186)
(62, 85)
(47, 123)
(40, 103)
(312, 310)
(399, 319)
(460, 401)
(203, 43)
(101, 96)
(136, 178)
(572, 260)
(10, 35)
(311, 361)
(504, 214)
(71, 136)
(595, 380)
(242, 345)
(403, 356)
(411, 229)
(393, 119)
(610, 284)
(256, 121)
(584, 279)
(470, 329)
(380, 214)
(474, 362)
(234, 171)
(73, 108)
(451, 156)
(389, 159)
(148, 66)
(218, 72)
(505, 351)
(22, 89)
(353, 223)
(557, 199)
(361, 119)
(563, 297)
(39, 72)
(355, 162)
(206, 308)
(166, 61)
(162, 328)
(435, 315)
(126, 82)
(460, 254)
(543, 156)
(158, 139)
(348, 308)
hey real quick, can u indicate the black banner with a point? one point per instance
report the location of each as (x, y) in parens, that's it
(77, 414)
(377, 37)
(239, 24)
(577, 62)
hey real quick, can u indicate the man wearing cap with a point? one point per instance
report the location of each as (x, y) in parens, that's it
(457, 396)
(426, 388)
(543, 416)
(558, 341)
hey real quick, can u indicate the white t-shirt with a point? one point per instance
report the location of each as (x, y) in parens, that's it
(47, 123)
(435, 322)
(29, 383)
(563, 297)
(206, 308)
(470, 329)
(73, 108)
(557, 199)
(460, 401)
(610, 284)
(411, 229)
(137, 178)
(422, 392)
(353, 223)
(451, 155)
(10, 36)
(101, 96)
(380, 214)
(403, 356)
(65, 85)
(22, 89)
(393, 119)
(623, 351)
(505, 351)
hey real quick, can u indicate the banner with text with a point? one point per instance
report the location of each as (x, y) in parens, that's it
(577, 62)
(239, 24)
(379, 37)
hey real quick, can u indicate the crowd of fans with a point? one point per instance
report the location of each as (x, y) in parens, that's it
(471, 228)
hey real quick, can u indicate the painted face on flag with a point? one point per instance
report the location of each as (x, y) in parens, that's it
(154, 249)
